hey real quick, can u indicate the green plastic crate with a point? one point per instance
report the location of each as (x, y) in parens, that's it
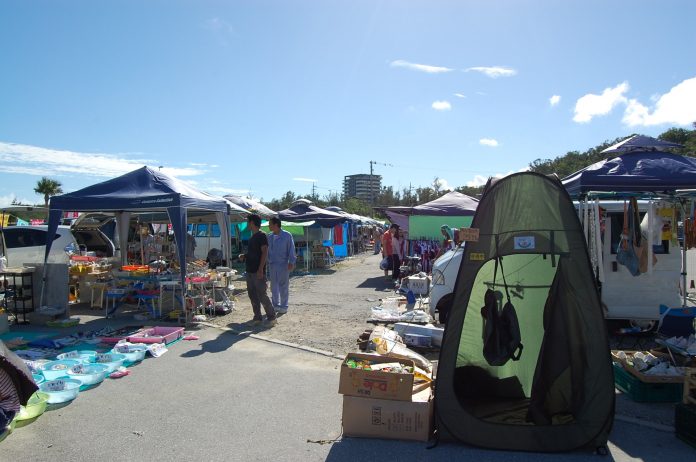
(685, 423)
(646, 392)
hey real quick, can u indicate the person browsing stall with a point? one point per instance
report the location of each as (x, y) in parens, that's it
(281, 261)
(387, 251)
(255, 262)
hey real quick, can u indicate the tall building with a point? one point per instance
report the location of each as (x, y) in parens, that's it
(362, 186)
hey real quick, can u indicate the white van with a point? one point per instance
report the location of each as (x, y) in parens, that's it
(444, 275)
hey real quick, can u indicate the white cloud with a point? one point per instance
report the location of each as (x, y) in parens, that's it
(420, 67)
(480, 180)
(460, 95)
(6, 201)
(677, 106)
(35, 160)
(488, 142)
(306, 180)
(441, 105)
(493, 71)
(444, 185)
(592, 105)
(224, 190)
(554, 100)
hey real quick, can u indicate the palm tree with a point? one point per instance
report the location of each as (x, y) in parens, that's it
(48, 188)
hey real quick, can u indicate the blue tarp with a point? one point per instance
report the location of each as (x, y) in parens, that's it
(141, 190)
(637, 171)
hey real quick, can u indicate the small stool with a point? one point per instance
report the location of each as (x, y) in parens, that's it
(116, 295)
(97, 288)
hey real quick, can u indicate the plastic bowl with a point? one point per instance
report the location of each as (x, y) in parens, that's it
(38, 378)
(133, 353)
(68, 393)
(55, 369)
(88, 374)
(85, 356)
(34, 408)
(111, 360)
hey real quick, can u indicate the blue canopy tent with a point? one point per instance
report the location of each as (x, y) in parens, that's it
(640, 170)
(303, 210)
(143, 190)
(634, 172)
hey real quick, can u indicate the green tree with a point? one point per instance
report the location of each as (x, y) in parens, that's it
(48, 188)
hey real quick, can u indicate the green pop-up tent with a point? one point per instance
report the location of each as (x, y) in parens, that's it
(540, 377)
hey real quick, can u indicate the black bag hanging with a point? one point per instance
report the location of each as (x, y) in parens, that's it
(502, 340)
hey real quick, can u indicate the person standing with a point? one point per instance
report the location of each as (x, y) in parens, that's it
(396, 251)
(281, 260)
(378, 239)
(255, 261)
(387, 250)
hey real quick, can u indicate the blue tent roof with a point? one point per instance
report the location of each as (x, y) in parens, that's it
(304, 210)
(143, 188)
(637, 171)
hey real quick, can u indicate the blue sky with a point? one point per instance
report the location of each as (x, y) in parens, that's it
(264, 96)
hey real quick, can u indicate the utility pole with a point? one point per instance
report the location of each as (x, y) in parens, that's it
(372, 184)
(314, 190)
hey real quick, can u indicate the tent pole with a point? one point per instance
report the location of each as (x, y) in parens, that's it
(683, 249)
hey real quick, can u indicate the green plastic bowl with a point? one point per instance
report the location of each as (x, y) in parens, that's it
(34, 408)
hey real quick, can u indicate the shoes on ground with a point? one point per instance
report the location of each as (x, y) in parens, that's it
(280, 310)
(254, 322)
(270, 322)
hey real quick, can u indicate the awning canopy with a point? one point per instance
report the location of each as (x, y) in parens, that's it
(139, 191)
(304, 210)
(636, 172)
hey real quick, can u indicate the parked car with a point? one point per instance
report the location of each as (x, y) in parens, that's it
(27, 244)
(444, 275)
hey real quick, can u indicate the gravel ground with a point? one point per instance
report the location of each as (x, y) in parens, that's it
(328, 308)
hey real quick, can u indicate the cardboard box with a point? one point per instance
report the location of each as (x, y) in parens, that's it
(376, 384)
(382, 418)
(419, 285)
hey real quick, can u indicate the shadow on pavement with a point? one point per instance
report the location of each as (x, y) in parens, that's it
(378, 283)
(221, 343)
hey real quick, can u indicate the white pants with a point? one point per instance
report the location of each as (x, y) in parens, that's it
(280, 284)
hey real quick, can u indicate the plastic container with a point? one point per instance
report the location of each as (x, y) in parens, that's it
(34, 408)
(111, 360)
(88, 374)
(643, 392)
(157, 335)
(685, 423)
(86, 356)
(56, 369)
(133, 353)
(61, 390)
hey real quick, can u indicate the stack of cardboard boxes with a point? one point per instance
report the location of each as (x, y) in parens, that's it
(379, 404)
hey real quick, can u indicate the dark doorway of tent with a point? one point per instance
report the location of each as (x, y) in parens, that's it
(525, 361)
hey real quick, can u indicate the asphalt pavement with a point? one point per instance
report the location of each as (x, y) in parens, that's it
(227, 397)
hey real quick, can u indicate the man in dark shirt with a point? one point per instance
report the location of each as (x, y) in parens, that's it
(255, 259)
